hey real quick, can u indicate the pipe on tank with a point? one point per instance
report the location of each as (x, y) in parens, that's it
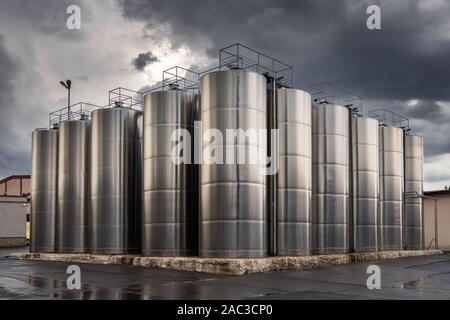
(272, 124)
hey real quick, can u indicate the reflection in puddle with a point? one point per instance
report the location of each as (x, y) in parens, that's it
(416, 284)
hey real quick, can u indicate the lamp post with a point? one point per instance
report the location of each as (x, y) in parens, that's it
(68, 86)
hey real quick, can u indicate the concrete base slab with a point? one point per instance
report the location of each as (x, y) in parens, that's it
(226, 266)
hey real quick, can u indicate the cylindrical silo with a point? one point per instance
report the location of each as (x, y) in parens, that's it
(365, 184)
(331, 178)
(115, 181)
(73, 186)
(294, 175)
(391, 188)
(44, 189)
(170, 212)
(233, 216)
(413, 184)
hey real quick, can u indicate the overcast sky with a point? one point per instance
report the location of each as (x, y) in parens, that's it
(404, 67)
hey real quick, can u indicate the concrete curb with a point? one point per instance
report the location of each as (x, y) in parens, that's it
(226, 266)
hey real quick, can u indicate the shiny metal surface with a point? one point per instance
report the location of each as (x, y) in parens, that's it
(44, 190)
(331, 179)
(413, 183)
(116, 181)
(233, 216)
(365, 184)
(170, 212)
(73, 186)
(391, 188)
(294, 175)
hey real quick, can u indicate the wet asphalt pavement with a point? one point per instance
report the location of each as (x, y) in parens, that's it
(405, 278)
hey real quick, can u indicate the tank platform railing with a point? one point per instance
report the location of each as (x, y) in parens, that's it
(180, 78)
(389, 118)
(125, 98)
(326, 92)
(234, 56)
(242, 57)
(77, 111)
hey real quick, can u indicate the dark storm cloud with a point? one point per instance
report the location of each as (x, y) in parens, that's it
(428, 118)
(13, 157)
(328, 41)
(324, 40)
(430, 111)
(143, 60)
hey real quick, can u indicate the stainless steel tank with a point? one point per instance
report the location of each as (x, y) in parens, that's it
(365, 184)
(170, 212)
(294, 175)
(116, 181)
(413, 184)
(331, 178)
(391, 188)
(73, 186)
(44, 189)
(233, 216)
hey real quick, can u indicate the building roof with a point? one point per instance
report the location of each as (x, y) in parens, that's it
(15, 177)
(436, 192)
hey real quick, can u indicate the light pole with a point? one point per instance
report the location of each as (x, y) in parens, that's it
(68, 86)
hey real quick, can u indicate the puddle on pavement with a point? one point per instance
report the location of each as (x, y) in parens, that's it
(415, 284)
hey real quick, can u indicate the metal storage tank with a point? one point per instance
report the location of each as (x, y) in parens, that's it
(365, 184)
(73, 186)
(294, 175)
(331, 178)
(170, 212)
(44, 190)
(233, 216)
(391, 188)
(116, 181)
(413, 183)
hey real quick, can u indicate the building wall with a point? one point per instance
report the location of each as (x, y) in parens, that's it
(14, 187)
(443, 221)
(26, 183)
(13, 221)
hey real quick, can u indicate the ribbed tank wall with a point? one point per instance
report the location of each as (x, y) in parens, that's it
(170, 214)
(294, 175)
(391, 188)
(331, 179)
(413, 183)
(116, 181)
(44, 186)
(73, 186)
(365, 184)
(233, 217)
